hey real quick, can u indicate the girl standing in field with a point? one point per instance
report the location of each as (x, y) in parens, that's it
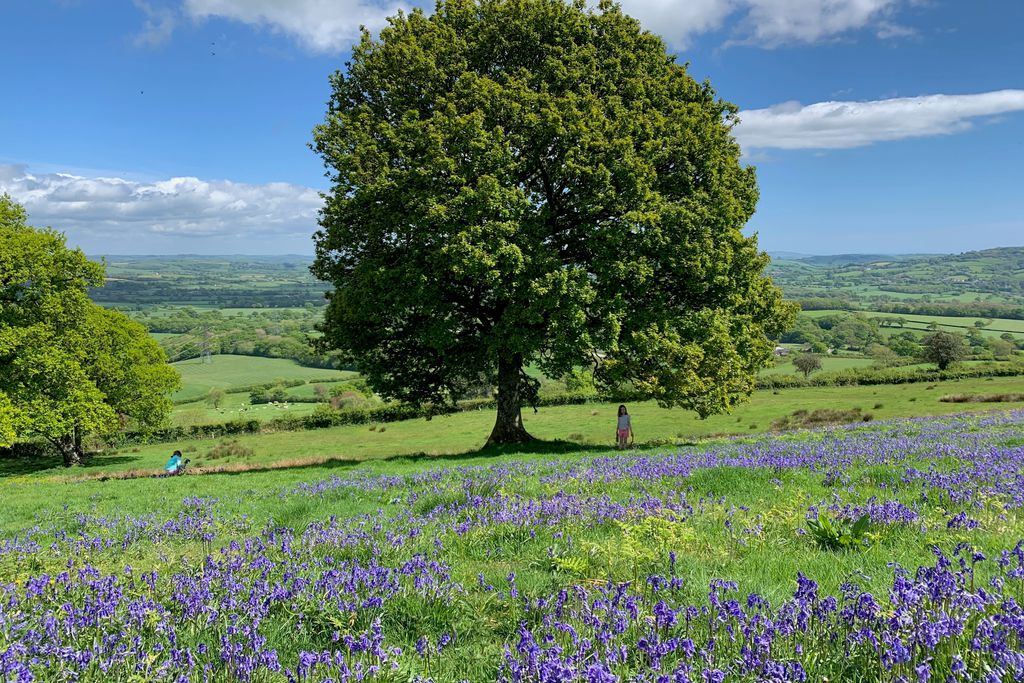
(624, 430)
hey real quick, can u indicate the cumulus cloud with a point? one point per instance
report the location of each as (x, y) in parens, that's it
(679, 21)
(320, 25)
(774, 22)
(839, 125)
(119, 209)
(331, 26)
(768, 23)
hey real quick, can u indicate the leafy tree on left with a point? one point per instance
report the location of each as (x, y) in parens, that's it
(68, 367)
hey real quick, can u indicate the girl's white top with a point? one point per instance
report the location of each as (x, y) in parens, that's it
(623, 421)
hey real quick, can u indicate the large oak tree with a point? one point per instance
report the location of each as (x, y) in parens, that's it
(68, 367)
(531, 181)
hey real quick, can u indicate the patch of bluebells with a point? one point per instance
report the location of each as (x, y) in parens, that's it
(933, 616)
(320, 604)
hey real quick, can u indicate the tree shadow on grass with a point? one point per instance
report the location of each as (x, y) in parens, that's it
(489, 452)
(326, 465)
(19, 466)
(535, 447)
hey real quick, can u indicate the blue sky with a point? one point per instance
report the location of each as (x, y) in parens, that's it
(180, 126)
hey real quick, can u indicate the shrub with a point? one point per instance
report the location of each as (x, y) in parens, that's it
(278, 394)
(803, 419)
(230, 448)
(983, 398)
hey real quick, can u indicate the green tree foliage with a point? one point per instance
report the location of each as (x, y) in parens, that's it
(854, 332)
(976, 340)
(883, 355)
(67, 366)
(525, 181)
(943, 349)
(807, 363)
(215, 397)
(905, 344)
(805, 331)
(1001, 349)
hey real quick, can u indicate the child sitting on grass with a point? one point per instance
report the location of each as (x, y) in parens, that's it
(174, 464)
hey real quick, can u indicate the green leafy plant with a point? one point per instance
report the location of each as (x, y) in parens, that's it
(840, 535)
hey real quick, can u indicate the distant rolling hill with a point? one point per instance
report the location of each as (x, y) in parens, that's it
(991, 277)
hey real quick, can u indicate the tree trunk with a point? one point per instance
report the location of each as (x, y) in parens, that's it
(508, 426)
(71, 448)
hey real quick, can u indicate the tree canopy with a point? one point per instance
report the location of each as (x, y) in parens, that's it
(807, 363)
(943, 348)
(531, 181)
(67, 366)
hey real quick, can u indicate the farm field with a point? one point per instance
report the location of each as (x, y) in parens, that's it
(914, 322)
(784, 366)
(238, 406)
(597, 565)
(228, 371)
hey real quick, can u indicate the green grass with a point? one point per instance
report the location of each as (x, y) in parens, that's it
(784, 365)
(226, 371)
(306, 390)
(761, 547)
(234, 406)
(589, 425)
(777, 500)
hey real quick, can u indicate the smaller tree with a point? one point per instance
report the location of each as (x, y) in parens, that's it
(943, 349)
(68, 367)
(977, 340)
(1017, 343)
(883, 356)
(807, 363)
(1001, 349)
(905, 344)
(320, 391)
(216, 397)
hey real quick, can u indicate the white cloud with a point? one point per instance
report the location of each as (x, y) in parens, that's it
(320, 25)
(158, 27)
(774, 22)
(333, 25)
(679, 21)
(839, 125)
(123, 210)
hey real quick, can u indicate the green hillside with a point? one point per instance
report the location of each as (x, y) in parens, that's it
(228, 372)
(993, 278)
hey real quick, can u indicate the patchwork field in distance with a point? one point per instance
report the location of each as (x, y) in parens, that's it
(920, 323)
(228, 372)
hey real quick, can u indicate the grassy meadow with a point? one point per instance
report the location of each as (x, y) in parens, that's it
(404, 551)
(474, 567)
(784, 365)
(228, 372)
(577, 426)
